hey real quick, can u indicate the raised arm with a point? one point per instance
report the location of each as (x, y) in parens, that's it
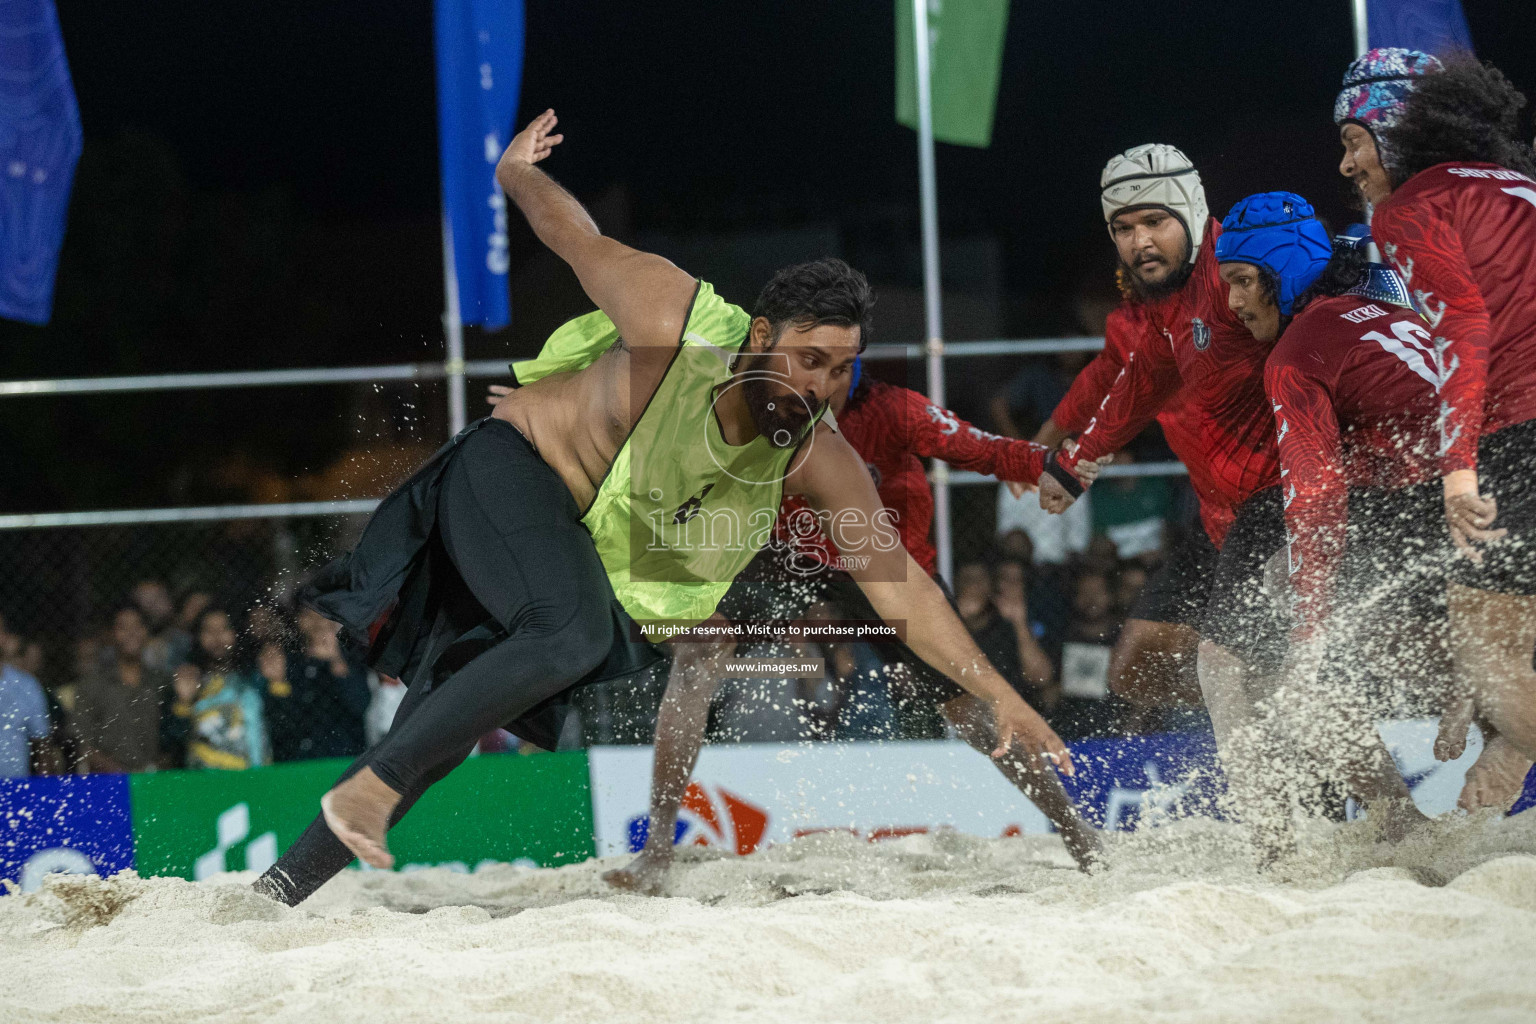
(1078, 406)
(1149, 378)
(644, 295)
(835, 481)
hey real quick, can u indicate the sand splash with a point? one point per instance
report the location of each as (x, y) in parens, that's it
(926, 928)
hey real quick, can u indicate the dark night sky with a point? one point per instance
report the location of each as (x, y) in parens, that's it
(259, 186)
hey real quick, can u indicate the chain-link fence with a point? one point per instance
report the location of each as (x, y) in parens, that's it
(64, 578)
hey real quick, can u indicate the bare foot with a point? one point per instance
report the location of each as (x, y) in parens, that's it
(357, 812)
(1497, 777)
(1085, 846)
(646, 874)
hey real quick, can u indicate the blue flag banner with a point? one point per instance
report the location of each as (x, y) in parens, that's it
(1434, 26)
(479, 70)
(39, 145)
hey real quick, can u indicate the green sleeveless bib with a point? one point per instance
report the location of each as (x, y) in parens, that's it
(681, 512)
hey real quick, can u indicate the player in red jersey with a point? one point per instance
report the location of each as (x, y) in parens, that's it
(892, 428)
(1200, 348)
(1151, 196)
(1434, 148)
(1354, 381)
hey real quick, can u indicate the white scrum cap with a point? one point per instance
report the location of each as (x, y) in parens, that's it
(1157, 175)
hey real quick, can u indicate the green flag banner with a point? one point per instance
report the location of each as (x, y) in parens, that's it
(965, 58)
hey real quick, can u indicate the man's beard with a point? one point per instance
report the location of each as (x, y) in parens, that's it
(783, 424)
(1170, 284)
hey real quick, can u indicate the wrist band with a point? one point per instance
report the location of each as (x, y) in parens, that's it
(1063, 476)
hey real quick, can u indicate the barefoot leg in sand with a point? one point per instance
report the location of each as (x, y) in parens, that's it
(357, 811)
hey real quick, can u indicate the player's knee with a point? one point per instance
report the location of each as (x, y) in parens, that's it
(580, 634)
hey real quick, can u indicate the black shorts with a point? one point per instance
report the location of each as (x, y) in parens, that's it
(768, 589)
(1506, 469)
(1177, 593)
(1240, 614)
(1389, 628)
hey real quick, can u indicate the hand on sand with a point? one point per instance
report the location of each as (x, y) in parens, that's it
(645, 875)
(1470, 516)
(1496, 779)
(534, 142)
(357, 812)
(1021, 730)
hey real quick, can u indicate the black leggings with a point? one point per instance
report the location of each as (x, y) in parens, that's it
(520, 557)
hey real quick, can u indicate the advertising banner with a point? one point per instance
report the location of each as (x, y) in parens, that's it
(745, 796)
(501, 807)
(70, 823)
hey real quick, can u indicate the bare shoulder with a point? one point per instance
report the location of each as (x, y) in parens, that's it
(647, 296)
(827, 467)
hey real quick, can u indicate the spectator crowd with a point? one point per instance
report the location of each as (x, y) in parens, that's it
(188, 685)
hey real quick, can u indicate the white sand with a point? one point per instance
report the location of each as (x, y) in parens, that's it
(927, 928)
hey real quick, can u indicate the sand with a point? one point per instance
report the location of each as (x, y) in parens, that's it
(927, 928)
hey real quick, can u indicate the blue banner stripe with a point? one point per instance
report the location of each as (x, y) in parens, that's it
(479, 71)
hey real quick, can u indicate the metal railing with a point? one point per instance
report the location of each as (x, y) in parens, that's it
(479, 368)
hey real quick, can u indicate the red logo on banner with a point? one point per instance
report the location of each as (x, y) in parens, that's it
(728, 821)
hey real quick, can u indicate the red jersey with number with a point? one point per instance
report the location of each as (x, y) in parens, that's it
(892, 429)
(1464, 238)
(1126, 328)
(1197, 346)
(1355, 389)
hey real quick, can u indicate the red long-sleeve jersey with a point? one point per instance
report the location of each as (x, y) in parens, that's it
(892, 428)
(1128, 327)
(1355, 389)
(1201, 347)
(1463, 236)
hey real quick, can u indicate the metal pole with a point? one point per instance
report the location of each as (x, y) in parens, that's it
(1361, 15)
(453, 328)
(932, 295)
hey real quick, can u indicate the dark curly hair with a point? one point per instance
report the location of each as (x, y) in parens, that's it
(1346, 268)
(824, 291)
(1466, 112)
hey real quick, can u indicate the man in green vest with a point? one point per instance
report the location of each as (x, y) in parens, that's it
(612, 497)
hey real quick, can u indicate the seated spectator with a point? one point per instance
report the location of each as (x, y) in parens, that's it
(1032, 394)
(218, 713)
(316, 700)
(998, 619)
(23, 720)
(167, 644)
(180, 641)
(1053, 539)
(119, 702)
(1132, 511)
(1086, 708)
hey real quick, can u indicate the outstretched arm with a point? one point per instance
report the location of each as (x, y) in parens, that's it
(835, 481)
(644, 295)
(933, 431)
